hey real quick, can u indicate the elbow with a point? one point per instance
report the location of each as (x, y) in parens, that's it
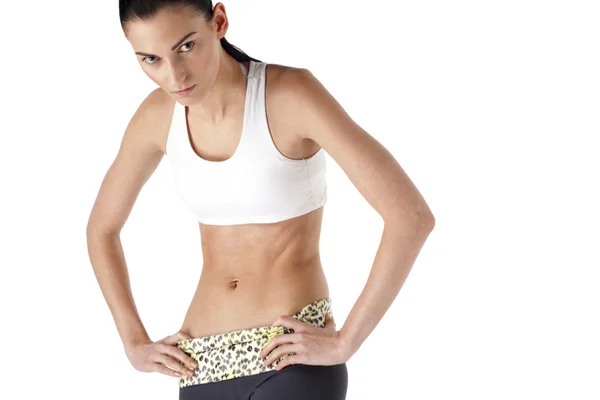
(94, 230)
(99, 225)
(429, 224)
(425, 218)
(423, 223)
(419, 220)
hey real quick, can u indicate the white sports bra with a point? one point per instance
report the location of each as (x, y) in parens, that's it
(258, 184)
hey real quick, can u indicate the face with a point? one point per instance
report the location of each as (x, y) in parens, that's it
(174, 57)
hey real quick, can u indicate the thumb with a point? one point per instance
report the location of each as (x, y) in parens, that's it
(176, 337)
(183, 336)
(329, 321)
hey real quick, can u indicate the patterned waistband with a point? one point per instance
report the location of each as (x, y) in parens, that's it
(234, 354)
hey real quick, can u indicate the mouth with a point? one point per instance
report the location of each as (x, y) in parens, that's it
(185, 91)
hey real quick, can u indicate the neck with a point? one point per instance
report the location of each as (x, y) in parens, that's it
(224, 95)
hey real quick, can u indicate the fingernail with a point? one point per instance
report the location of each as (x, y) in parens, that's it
(190, 373)
(194, 365)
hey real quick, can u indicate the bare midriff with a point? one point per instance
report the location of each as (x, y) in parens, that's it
(253, 273)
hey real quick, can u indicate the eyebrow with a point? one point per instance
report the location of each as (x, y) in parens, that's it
(180, 41)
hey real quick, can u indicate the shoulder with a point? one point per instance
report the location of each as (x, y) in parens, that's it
(288, 91)
(285, 81)
(293, 89)
(153, 117)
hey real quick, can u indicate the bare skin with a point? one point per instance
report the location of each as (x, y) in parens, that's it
(252, 274)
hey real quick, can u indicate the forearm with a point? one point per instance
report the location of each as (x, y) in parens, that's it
(108, 261)
(397, 252)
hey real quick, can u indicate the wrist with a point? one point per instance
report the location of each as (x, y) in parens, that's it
(347, 345)
(133, 342)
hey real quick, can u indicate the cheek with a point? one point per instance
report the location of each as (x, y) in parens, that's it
(200, 61)
(201, 70)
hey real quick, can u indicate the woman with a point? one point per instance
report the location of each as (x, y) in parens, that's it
(246, 140)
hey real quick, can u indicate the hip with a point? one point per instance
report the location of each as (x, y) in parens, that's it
(234, 354)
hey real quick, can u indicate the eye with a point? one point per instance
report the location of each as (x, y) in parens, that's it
(192, 43)
(185, 51)
(145, 58)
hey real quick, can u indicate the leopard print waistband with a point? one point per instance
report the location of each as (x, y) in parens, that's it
(234, 354)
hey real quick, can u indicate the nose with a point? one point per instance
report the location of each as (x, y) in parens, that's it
(176, 75)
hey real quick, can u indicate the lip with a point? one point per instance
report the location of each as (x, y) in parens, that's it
(186, 91)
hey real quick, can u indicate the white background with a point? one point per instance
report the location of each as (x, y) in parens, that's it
(492, 108)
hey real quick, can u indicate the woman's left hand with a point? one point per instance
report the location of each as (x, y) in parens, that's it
(311, 345)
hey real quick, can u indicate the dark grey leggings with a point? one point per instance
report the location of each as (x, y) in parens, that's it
(294, 382)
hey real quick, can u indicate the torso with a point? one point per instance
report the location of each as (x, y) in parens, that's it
(253, 273)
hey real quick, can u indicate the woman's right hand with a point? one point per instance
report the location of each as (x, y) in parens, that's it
(162, 356)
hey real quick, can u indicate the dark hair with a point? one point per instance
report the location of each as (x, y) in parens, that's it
(131, 10)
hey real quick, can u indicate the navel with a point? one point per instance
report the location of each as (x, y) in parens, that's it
(233, 284)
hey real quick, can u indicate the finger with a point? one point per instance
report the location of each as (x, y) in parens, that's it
(278, 341)
(175, 338)
(157, 367)
(290, 360)
(172, 363)
(329, 321)
(286, 349)
(178, 354)
(183, 336)
(170, 340)
(293, 323)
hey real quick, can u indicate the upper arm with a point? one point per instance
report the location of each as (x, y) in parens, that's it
(139, 155)
(367, 163)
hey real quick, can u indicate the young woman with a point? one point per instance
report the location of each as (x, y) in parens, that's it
(247, 142)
